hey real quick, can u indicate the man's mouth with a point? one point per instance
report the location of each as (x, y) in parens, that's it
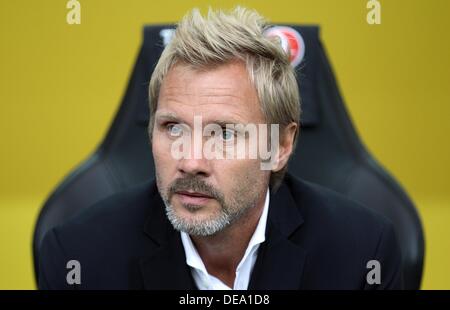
(193, 198)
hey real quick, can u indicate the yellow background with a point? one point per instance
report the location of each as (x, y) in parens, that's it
(61, 84)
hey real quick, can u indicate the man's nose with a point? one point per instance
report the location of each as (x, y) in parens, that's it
(194, 166)
(196, 163)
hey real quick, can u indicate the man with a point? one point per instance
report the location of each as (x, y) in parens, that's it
(221, 214)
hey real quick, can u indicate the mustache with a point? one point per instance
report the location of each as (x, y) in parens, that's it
(196, 184)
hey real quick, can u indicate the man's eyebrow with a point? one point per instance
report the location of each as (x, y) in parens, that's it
(224, 123)
(169, 116)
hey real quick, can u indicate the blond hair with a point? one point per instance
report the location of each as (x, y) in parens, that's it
(222, 37)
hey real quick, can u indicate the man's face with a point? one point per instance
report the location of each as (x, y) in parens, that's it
(204, 196)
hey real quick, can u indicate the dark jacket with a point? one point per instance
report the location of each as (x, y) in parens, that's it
(315, 239)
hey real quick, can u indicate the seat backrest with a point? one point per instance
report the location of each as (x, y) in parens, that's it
(328, 152)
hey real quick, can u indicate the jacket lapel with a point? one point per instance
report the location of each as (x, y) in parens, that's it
(165, 267)
(280, 262)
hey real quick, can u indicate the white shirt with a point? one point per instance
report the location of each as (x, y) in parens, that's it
(205, 281)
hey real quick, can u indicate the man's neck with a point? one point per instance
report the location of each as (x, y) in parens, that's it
(222, 252)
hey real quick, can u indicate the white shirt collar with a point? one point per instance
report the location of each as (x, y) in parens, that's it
(243, 271)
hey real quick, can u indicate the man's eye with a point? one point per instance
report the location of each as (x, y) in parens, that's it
(174, 130)
(228, 134)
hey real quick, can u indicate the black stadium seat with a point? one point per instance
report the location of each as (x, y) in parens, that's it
(329, 152)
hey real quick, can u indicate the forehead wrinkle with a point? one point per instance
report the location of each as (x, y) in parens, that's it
(205, 100)
(182, 91)
(219, 95)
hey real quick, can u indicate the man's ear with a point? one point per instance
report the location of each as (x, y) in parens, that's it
(286, 145)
